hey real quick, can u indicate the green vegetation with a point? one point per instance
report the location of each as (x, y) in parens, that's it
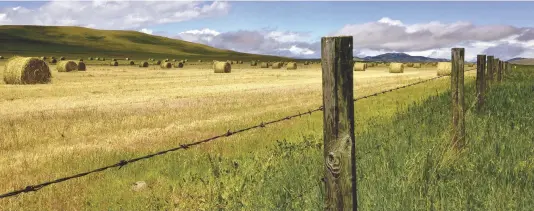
(82, 42)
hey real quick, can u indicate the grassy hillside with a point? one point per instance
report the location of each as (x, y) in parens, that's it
(83, 42)
(523, 61)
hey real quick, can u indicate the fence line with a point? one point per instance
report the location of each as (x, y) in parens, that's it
(120, 164)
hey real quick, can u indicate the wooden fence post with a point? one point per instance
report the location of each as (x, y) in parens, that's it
(458, 106)
(499, 71)
(481, 81)
(490, 66)
(338, 123)
(496, 63)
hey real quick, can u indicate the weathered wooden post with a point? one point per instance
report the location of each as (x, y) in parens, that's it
(490, 66)
(457, 88)
(481, 81)
(495, 69)
(338, 119)
(499, 71)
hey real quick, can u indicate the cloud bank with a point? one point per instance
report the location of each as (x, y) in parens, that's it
(432, 39)
(112, 14)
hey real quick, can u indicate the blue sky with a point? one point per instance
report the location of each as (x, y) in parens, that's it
(294, 28)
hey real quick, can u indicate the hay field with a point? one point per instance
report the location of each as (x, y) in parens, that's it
(84, 120)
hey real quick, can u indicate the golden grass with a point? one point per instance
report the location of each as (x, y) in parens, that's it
(95, 116)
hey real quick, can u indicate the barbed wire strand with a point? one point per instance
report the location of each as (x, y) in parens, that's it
(120, 164)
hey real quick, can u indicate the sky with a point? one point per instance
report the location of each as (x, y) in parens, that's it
(294, 29)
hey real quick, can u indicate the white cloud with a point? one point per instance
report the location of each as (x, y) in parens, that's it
(299, 51)
(146, 31)
(392, 35)
(112, 14)
(199, 36)
(286, 36)
(390, 21)
(270, 42)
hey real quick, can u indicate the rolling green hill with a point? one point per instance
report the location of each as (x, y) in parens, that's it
(84, 42)
(523, 61)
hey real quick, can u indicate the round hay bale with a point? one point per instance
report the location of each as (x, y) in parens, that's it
(143, 64)
(291, 66)
(114, 59)
(103, 59)
(132, 63)
(200, 60)
(185, 60)
(166, 65)
(66, 66)
(81, 60)
(253, 63)
(277, 65)
(417, 65)
(471, 65)
(306, 63)
(26, 70)
(62, 58)
(158, 62)
(264, 65)
(240, 62)
(174, 60)
(53, 61)
(97, 58)
(359, 66)
(166, 60)
(179, 65)
(409, 64)
(114, 63)
(81, 66)
(127, 59)
(53, 57)
(222, 67)
(444, 68)
(396, 67)
(90, 58)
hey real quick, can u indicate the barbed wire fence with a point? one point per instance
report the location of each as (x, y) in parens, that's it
(122, 163)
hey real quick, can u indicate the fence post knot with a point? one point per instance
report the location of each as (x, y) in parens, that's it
(262, 124)
(184, 146)
(229, 133)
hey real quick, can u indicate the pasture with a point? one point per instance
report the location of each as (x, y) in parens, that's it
(84, 120)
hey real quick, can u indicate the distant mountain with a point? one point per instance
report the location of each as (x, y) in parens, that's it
(522, 61)
(401, 57)
(515, 59)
